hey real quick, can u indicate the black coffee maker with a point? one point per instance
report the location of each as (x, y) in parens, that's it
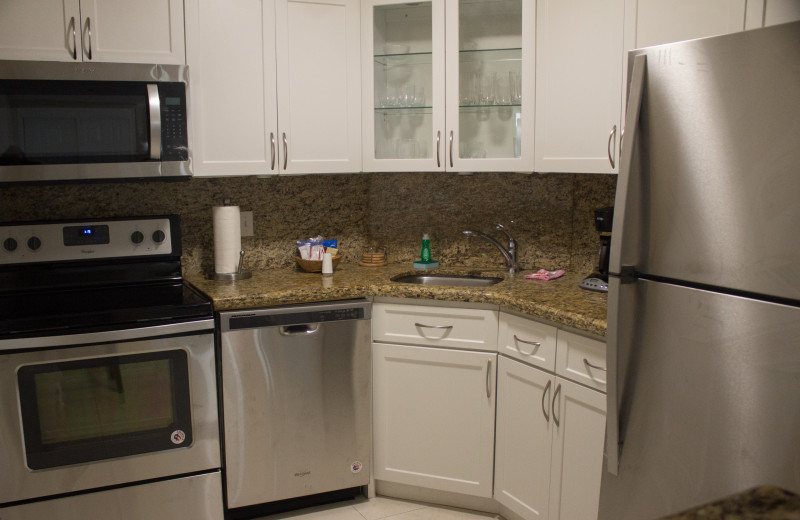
(598, 281)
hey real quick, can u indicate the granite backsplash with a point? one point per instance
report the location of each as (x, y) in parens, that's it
(551, 215)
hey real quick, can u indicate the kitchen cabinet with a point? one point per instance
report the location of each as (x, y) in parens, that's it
(448, 85)
(578, 83)
(274, 86)
(549, 446)
(433, 417)
(550, 431)
(434, 377)
(763, 13)
(146, 31)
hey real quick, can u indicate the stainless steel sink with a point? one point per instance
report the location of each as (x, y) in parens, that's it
(448, 279)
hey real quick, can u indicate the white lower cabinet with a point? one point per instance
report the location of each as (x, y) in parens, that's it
(449, 412)
(549, 447)
(433, 417)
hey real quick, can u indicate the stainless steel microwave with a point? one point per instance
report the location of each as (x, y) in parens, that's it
(90, 121)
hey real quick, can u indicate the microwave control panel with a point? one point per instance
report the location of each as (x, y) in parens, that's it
(174, 138)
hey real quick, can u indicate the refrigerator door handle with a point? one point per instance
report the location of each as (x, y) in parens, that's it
(622, 275)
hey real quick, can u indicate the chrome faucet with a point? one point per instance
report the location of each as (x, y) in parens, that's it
(509, 253)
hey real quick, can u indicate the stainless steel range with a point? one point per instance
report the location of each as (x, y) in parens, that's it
(108, 403)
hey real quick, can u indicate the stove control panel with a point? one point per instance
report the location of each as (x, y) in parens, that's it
(85, 240)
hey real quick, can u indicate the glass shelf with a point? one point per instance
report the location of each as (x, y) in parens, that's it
(406, 110)
(410, 58)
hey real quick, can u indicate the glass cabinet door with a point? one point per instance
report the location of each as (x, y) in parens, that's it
(490, 85)
(403, 86)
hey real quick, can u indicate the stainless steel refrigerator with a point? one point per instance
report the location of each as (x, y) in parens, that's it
(704, 293)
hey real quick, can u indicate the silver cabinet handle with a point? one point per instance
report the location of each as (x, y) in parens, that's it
(555, 398)
(488, 378)
(438, 140)
(272, 150)
(154, 103)
(74, 39)
(451, 148)
(535, 344)
(89, 32)
(589, 365)
(433, 326)
(545, 399)
(285, 151)
(612, 135)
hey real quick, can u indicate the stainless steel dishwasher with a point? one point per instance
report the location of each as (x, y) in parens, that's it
(296, 392)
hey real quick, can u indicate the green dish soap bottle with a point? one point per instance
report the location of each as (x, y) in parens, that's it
(425, 261)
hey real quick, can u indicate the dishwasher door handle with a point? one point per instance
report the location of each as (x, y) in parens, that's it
(295, 330)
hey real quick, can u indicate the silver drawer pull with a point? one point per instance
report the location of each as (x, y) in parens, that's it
(433, 326)
(589, 365)
(535, 344)
(488, 378)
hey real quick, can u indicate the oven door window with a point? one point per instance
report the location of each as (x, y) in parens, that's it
(73, 122)
(102, 408)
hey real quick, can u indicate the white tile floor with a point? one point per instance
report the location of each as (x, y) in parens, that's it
(381, 508)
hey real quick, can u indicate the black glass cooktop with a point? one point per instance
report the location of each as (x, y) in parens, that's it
(95, 308)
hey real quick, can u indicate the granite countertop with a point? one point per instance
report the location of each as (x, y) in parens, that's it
(760, 503)
(560, 301)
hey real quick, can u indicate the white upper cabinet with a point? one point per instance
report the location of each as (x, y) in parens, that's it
(145, 31)
(274, 86)
(445, 85)
(578, 84)
(763, 13)
(655, 22)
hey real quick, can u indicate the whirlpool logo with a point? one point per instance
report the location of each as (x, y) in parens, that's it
(303, 474)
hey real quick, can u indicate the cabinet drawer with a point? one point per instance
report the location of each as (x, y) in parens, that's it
(581, 359)
(471, 329)
(527, 340)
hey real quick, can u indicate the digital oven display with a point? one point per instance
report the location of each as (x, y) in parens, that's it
(85, 235)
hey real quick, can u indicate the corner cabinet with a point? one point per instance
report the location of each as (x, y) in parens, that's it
(145, 31)
(550, 431)
(578, 84)
(274, 86)
(448, 85)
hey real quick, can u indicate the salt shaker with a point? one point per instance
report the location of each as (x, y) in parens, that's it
(327, 264)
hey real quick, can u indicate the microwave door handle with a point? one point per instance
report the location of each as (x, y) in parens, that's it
(155, 121)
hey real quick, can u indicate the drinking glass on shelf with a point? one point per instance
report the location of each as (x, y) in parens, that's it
(486, 94)
(515, 84)
(502, 89)
(408, 149)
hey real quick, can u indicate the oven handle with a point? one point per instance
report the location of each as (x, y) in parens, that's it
(155, 120)
(110, 336)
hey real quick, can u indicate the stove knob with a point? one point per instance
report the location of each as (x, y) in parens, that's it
(34, 243)
(9, 244)
(137, 237)
(158, 236)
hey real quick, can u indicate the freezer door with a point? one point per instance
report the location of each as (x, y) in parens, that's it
(708, 403)
(716, 151)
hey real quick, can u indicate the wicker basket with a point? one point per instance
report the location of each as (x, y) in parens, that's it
(315, 266)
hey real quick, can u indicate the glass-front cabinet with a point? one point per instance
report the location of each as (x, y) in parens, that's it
(448, 85)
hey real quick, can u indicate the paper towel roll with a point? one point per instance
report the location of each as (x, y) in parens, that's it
(227, 238)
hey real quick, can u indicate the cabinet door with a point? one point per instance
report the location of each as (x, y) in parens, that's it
(232, 94)
(40, 30)
(578, 84)
(489, 59)
(579, 415)
(403, 86)
(433, 417)
(655, 22)
(319, 87)
(145, 31)
(523, 447)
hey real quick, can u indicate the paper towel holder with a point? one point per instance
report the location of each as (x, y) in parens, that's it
(240, 273)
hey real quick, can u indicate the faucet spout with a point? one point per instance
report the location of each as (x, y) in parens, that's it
(509, 255)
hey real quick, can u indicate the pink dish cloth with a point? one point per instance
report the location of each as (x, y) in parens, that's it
(543, 274)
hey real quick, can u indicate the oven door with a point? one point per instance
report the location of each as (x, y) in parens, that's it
(89, 416)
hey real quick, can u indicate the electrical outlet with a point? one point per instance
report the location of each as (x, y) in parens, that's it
(246, 218)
